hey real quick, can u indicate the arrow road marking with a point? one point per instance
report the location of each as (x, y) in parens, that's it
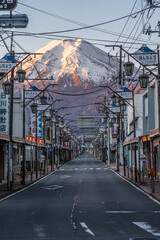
(148, 228)
(86, 228)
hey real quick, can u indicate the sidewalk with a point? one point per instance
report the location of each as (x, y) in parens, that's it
(17, 185)
(145, 183)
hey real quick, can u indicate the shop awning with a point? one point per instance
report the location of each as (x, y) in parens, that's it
(145, 138)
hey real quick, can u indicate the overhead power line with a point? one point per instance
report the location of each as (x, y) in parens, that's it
(94, 25)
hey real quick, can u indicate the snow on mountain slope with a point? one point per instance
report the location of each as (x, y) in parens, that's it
(72, 63)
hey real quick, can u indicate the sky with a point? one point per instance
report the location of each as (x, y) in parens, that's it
(88, 12)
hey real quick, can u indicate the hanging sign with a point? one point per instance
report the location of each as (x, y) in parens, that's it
(125, 95)
(8, 4)
(6, 66)
(146, 56)
(115, 109)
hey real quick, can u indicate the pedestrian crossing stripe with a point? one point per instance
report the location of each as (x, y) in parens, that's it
(147, 227)
(81, 169)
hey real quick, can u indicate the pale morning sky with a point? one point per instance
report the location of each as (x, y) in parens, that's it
(88, 12)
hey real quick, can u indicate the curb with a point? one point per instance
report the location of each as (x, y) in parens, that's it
(24, 186)
(137, 185)
(9, 193)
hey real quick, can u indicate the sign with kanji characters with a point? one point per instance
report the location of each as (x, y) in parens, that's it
(6, 66)
(39, 125)
(8, 4)
(125, 95)
(146, 56)
(33, 139)
(3, 112)
(115, 109)
(145, 138)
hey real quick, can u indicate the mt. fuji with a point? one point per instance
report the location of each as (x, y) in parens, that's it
(72, 63)
(79, 68)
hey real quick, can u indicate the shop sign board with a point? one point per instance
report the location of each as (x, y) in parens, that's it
(6, 66)
(39, 125)
(126, 94)
(115, 109)
(31, 94)
(8, 5)
(146, 56)
(3, 112)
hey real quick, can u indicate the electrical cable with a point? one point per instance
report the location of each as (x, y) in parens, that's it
(98, 24)
(125, 24)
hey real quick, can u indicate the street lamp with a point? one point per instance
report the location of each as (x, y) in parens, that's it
(143, 79)
(51, 112)
(128, 67)
(114, 99)
(43, 99)
(7, 86)
(44, 118)
(34, 108)
(62, 122)
(21, 74)
(113, 120)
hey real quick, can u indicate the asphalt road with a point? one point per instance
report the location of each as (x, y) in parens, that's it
(82, 200)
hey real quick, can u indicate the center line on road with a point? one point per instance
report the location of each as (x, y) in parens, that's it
(86, 228)
(115, 212)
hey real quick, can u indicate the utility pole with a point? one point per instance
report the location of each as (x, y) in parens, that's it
(108, 140)
(24, 148)
(10, 158)
(134, 132)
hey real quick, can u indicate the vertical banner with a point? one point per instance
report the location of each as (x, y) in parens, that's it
(39, 125)
(4, 116)
(33, 124)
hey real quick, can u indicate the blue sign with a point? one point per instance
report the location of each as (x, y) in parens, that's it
(39, 125)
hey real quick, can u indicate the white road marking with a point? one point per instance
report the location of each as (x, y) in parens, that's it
(91, 168)
(115, 212)
(76, 169)
(65, 176)
(98, 168)
(86, 228)
(119, 212)
(145, 226)
(53, 187)
(39, 231)
(62, 169)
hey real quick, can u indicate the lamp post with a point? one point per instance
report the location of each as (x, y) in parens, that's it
(8, 88)
(143, 79)
(34, 111)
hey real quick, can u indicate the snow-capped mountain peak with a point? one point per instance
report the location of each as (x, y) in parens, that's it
(72, 63)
